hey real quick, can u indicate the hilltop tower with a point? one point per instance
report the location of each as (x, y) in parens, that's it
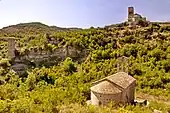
(134, 18)
(130, 13)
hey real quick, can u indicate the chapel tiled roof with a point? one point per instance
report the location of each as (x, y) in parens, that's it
(113, 84)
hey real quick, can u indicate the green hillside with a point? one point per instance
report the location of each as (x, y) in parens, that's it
(32, 28)
(64, 87)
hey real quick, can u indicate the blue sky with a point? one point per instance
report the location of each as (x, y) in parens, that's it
(79, 13)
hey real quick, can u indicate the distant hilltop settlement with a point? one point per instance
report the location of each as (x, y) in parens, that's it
(135, 19)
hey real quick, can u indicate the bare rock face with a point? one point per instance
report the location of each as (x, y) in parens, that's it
(19, 68)
(37, 57)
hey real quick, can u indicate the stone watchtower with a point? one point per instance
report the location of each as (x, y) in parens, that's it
(134, 18)
(130, 14)
(11, 46)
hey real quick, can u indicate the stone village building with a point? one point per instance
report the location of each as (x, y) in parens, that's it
(119, 88)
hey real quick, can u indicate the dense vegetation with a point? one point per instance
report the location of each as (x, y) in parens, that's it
(65, 86)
